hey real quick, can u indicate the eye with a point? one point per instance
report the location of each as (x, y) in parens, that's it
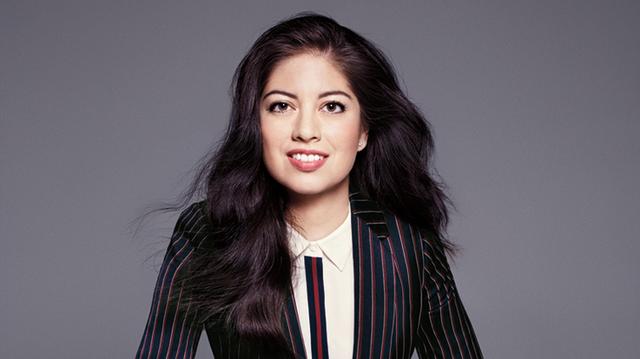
(333, 105)
(278, 107)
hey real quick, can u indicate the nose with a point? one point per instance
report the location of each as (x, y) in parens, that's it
(306, 127)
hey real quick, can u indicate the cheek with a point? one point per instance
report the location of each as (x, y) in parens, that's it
(347, 137)
(271, 142)
(267, 134)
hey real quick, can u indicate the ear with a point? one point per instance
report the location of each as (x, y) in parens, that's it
(362, 140)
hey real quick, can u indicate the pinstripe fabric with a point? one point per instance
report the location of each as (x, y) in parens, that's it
(405, 296)
(317, 313)
(171, 332)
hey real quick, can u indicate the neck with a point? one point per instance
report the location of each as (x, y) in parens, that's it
(318, 215)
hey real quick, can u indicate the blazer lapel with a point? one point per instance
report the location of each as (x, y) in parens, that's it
(374, 279)
(291, 325)
(374, 284)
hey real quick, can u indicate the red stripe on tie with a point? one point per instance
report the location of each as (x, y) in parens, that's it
(316, 295)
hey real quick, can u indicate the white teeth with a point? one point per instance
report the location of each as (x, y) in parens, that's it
(306, 158)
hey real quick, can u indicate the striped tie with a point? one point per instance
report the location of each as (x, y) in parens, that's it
(317, 317)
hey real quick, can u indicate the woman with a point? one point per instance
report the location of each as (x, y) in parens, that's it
(322, 231)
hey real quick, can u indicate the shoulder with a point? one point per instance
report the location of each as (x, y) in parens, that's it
(417, 234)
(418, 240)
(400, 228)
(193, 223)
(405, 236)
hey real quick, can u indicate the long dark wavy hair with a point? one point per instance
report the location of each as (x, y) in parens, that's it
(242, 271)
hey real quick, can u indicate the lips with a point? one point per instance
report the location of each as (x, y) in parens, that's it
(306, 152)
(304, 159)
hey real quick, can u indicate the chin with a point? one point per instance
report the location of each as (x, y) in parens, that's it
(310, 188)
(307, 190)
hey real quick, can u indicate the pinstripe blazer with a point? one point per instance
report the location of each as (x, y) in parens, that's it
(405, 296)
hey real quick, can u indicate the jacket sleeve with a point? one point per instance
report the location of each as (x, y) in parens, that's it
(444, 330)
(172, 330)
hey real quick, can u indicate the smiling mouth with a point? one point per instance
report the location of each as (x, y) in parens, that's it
(306, 163)
(307, 158)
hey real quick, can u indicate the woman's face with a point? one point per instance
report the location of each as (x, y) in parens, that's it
(310, 124)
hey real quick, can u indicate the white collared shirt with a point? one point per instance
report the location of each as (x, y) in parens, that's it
(336, 251)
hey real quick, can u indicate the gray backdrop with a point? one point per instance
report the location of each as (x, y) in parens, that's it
(106, 106)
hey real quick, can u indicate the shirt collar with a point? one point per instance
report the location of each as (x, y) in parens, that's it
(336, 246)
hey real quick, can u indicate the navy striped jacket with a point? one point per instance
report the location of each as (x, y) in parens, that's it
(405, 296)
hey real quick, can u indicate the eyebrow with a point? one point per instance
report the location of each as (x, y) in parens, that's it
(324, 94)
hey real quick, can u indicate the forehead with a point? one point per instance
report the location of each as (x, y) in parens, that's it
(307, 73)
